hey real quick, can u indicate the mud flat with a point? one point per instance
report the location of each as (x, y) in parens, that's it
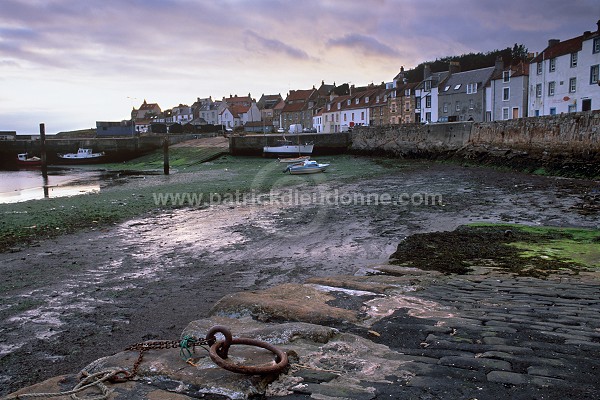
(70, 299)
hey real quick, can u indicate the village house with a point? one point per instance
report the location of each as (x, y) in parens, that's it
(427, 93)
(563, 78)
(331, 114)
(266, 104)
(182, 114)
(207, 110)
(506, 96)
(236, 111)
(298, 108)
(462, 96)
(144, 116)
(378, 108)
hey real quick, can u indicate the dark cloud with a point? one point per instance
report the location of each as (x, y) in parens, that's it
(363, 44)
(277, 46)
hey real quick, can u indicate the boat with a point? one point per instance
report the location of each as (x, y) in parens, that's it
(306, 167)
(286, 148)
(83, 156)
(25, 160)
(294, 160)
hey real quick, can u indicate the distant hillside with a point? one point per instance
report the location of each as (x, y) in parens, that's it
(82, 133)
(471, 61)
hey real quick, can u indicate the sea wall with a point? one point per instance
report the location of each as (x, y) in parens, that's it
(117, 149)
(568, 142)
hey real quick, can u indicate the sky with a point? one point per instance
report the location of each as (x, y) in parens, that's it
(70, 63)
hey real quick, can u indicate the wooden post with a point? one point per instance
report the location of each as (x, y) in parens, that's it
(43, 149)
(166, 155)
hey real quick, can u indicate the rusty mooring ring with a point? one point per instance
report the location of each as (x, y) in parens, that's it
(211, 339)
(218, 349)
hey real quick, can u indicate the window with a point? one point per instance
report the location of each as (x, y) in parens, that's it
(539, 68)
(594, 69)
(538, 90)
(348, 102)
(446, 88)
(428, 116)
(377, 99)
(596, 46)
(553, 111)
(572, 85)
(427, 101)
(505, 113)
(356, 100)
(352, 116)
(506, 94)
(457, 106)
(407, 106)
(572, 108)
(427, 85)
(471, 88)
(471, 104)
(457, 86)
(362, 115)
(551, 88)
(366, 99)
(552, 65)
(407, 93)
(505, 76)
(445, 107)
(573, 60)
(418, 103)
(345, 117)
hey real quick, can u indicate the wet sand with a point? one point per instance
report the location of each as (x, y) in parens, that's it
(78, 297)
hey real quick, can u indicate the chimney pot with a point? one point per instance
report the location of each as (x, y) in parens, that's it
(553, 42)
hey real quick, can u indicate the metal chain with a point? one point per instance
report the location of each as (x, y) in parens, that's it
(218, 353)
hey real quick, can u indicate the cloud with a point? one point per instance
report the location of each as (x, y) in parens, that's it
(365, 44)
(277, 46)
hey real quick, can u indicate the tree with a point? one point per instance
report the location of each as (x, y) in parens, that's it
(518, 53)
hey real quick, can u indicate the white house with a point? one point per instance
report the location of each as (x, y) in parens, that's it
(331, 114)
(182, 114)
(564, 77)
(318, 121)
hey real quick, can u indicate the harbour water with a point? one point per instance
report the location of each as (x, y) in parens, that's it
(24, 185)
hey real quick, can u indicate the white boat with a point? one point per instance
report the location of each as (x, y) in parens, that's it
(25, 160)
(306, 167)
(294, 160)
(82, 156)
(288, 149)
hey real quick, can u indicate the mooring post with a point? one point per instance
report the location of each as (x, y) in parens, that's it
(166, 155)
(43, 149)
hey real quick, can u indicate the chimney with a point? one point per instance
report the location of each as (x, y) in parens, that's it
(402, 68)
(553, 42)
(598, 25)
(454, 67)
(426, 71)
(499, 65)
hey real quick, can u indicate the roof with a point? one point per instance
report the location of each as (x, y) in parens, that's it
(148, 106)
(521, 69)
(296, 95)
(238, 110)
(560, 49)
(294, 107)
(480, 76)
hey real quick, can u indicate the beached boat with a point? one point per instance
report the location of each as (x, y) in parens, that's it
(286, 148)
(83, 156)
(25, 160)
(306, 167)
(294, 160)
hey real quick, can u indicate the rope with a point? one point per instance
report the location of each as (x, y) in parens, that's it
(91, 380)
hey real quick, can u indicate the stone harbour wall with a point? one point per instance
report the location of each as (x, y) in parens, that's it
(569, 142)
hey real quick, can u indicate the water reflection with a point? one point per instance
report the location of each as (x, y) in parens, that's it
(23, 185)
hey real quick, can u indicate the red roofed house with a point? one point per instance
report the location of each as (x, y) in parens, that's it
(564, 77)
(298, 108)
(142, 116)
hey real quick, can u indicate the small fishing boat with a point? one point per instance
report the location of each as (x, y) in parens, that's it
(83, 156)
(306, 167)
(25, 160)
(294, 160)
(286, 148)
